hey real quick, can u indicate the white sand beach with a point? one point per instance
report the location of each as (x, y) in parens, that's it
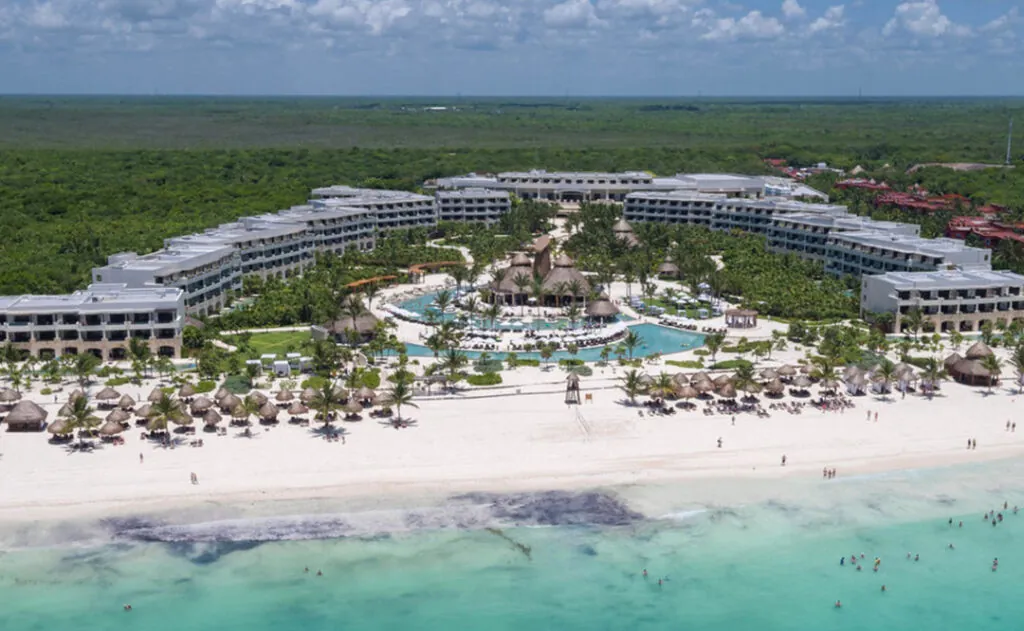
(498, 440)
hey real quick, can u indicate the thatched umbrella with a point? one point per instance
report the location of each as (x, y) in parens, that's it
(284, 396)
(143, 410)
(258, 397)
(229, 403)
(187, 390)
(951, 361)
(297, 409)
(76, 394)
(698, 377)
(728, 391)
(126, 403)
(775, 387)
(107, 394)
(365, 394)
(802, 381)
(703, 386)
(118, 416)
(352, 408)
(681, 379)
(722, 380)
(7, 395)
(211, 418)
(859, 382)
(268, 412)
(65, 410)
(805, 369)
(829, 384)
(979, 350)
(200, 405)
(111, 428)
(769, 374)
(307, 395)
(26, 415)
(60, 427)
(903, 369)
(787, 371)
(239, 412)
(221, 393)
(687, 392)
(850, 371)
(155, 395)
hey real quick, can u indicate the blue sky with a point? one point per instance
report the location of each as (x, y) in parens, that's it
(520, 47)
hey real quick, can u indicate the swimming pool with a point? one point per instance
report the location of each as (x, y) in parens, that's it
(656, 339)
(522, 320)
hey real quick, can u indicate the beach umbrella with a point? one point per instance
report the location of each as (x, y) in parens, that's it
(155, 395)
(307, 395)
(850, 371)
(239, 412)
(118, 416)
(143, 410)
(258, 397)
(901, 369)
(65, 410)
(111, 428)
(187, 390)
(787, 371)
(268, 412)
(211, 418)
(352, 408)
(680, 379)
(805, 369)
(769, 374)
(7, 395)
(221, 393)
(365, 394)
(229, 402)
(284, 396)
(728, 391)
(59, 427)
(75, 394)
(721, 380)
(775, 387)
(126, 403)
(107, 394)
(26, 415)
(698, 377)
(829, 384)
(802, 381)
(686, 392)
(703, 386)
(297, 408)
(200, 405)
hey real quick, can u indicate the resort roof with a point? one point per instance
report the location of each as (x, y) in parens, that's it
(978, 351)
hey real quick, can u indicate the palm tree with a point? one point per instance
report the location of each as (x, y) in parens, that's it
(1017, 359)
(825, 366)
(632, 384)
(492, 313)
(443, 300)
(521, 281)
(987, 334)
(994, 366)
(353, 307)
(714, 343)
(744, 378)
(537, 289)
(251, 405)
(885, 373)
(470, 304)
(632, 341)
(452, 364)
(955, 340)
(606, 352)
(141, 356)
(400, 392)
(326, 401)
(546, 351)
(778, 342)
(459, 274)
(82, 418)
(575, 287)
(163, 412)
(662, 386)
(931, 374)
(371, 291)
(913, 319)
(85, 366)
(573, 312)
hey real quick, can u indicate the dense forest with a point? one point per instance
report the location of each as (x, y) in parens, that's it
(82, 178)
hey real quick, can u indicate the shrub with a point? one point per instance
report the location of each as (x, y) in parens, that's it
(701, 352)
(45, 391)
(205, 386)
(582, 371)
(528, 362)
(313, 382)
(633, 363)
(731, 364)
(118, 381)
(486, 379)
(107, 371)
(238, 384)
(370, 379)
(565, 363)
(487, 365)
(699, 363)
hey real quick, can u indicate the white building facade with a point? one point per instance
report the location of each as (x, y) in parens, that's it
(478, 205)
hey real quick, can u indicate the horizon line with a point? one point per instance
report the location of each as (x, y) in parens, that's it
(458, 96)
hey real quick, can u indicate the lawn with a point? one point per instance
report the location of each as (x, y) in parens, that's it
(278, 343)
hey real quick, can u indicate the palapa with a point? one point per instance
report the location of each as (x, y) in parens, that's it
(703, 386)
(8, 395)
(118, 416)
(76, 394)
(258, 397)
(26, 415)
(352, 408)
(212, 417)
(111, 428)
(802, 382)
(787, 371)
(601, 308)
(284, 396)
(126, 403)
(144, 410)
(200, 405)
(239, 412)
(65, 410)
(728, 391)
(365, 394)
(187, 390)
(297, 409)
(686, 392)
(107, 394)
(951, 361)
(59, 427)
(229, 402)
(978, 351)
(221, 393)
(769, 374)
(681, 379)
(902, 369)
(721, 380)
(268, 412)
(155, 395)
(700, 376)
(829, 384)
(850, 371)
(775, 387)
(307, 396)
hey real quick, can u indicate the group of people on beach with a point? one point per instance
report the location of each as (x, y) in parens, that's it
(827, 473)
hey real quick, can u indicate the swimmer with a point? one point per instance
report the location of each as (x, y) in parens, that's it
(838, 604)
(999, 517)
(908, 556)
(842, 561)
(961, 524)
(645, 572)
(305, 571)
(858, 568)
(319, 573)
(1005, 505)
(659, 582)
(127, 607)
(917, 557)
(883, 588)
(951, 521)
(951, 547)
(875, 569)
(862, 555)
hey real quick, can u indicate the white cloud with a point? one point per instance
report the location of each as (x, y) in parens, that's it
(923, 18)
(832, 19)
(1002, 22)
(792, 9)
(571, 14)
(753, 25)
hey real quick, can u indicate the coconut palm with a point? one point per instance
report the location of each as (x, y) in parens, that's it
(85, 366)
(662, 386)
(573, 313)
(537, 289)
(546, 351)
(745, 378)
(471, 304)
(956, 339)
(326, 400)
(714, 343)
(353, 307)
(778, 342)
(994, 366)
(141, 356)
(82, 417)
(492, 313)
(1017, 359)
(400, 392)
(163, 412)
(885, 373)
(913, 319)
(451, 365)
(521, 281)
(443, 299)
(632, 341)
(632, 384)
(932, 372)
(575, 287)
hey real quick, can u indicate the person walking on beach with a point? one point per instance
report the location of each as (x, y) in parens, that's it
(140, 457)
(719, 442)
(783, 459)
(195, 478)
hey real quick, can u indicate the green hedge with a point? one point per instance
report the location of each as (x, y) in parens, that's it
(205, 386)
(731, 364)
(685, 364)
(486, 379)
(238, 384)
(313, 382)
(118, 381)
(570, 362)
(701, 352)
(528, 362)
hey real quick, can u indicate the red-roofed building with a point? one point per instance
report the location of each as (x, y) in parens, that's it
(867, 185)
(989, 231)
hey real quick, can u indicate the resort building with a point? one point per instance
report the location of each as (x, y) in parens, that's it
(393, 210)
(951, 300)
(870, 252)
(473, 204)
(99, 320)
(807, 234)
(596, 186)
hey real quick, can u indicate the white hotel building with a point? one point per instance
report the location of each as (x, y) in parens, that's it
(473, 204)
(393, 210)
(99, 320)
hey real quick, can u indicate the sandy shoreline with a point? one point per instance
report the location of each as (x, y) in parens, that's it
(501, 444)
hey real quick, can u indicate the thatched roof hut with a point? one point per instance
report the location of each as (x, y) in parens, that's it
(668, 268)
(728, 391)
(60, 427)
(239, 412)
(601, 308)
(802, 382)
(775, 387)
(107, 394)
(352, 408)
(187, 390)
(769, 374)
(258, 397)
(297, 409)
(365, 394)
(200, 405)
(721, 380)
(307, 395)
(365, 326)
(111, 428)
(951, 361)
(686, 392)
(851, 371)
(126, 403)
(229, 402)
(268, 412)
(211, 418)
(562, 274)
(519, 264)
(703, 386)
(155, 395)
(118, 416)
(8, 395)
(972, 372)
(221, 393)
(624, 232)
(698, 377)
(65, 410)
(284, 395)
(76, 394)
(978, 351)
(787, 371)
(143, 410)
(26, 416)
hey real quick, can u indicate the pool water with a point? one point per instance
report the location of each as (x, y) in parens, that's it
(656, 340)
(524, 317)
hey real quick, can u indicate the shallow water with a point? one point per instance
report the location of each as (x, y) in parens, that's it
(758, 557)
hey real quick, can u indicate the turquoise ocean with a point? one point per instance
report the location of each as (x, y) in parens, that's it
(730, 555)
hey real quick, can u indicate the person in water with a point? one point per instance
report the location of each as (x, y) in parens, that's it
(645, 572)
(842, 561)
(883, 588)
(127, 607)
(838, 604)
(319, 573)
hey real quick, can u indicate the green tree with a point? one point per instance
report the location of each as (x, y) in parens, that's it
(632, 341)
(632, 384)
(994, 366)
(326, 400)
(85, 367)
(163, 412)
(82, 417)
(714, 343)
(913, 319)
(400, 392)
